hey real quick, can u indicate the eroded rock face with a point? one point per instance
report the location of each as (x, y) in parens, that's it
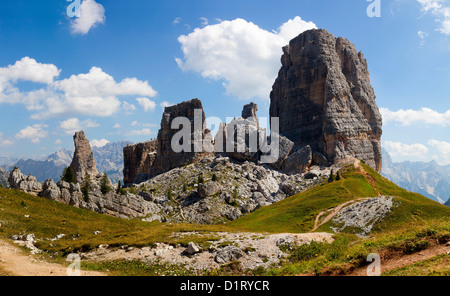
(138, 160)
(166, 157)
(324, 99)
(362, 216)
(83, 162)
(249, 112)
(27, 184)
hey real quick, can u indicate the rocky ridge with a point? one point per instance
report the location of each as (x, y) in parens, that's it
(227, 190)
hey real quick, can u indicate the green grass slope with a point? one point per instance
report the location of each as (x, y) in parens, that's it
(297, 213)
(21, 213)
(414, 224)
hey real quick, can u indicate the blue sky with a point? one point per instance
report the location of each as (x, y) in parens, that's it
(111, 70)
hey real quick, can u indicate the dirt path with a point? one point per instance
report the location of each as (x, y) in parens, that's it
(369, 179)
(405, 260)
(14, 261)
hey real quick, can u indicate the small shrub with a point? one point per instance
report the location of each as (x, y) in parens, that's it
(332, 178)
(200, 179)
(338, 176)
(307, 252)
(214, 178)
(169, 194)
(184, 187)
(23, 204)
(412, 247)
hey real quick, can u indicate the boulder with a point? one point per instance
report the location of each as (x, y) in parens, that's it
(228, 254)
(51, 190)
(298, 162)
(286, 146)
(192, 249)
(208, 189)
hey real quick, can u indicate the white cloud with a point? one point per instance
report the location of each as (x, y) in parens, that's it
(99, 83)
(397, 149)
(443, 149)
(176, 21)
(128, 107)
(58, 142)
(440, 10)
(34, 133)
(244, 56)
(27, 69)
(117, 125)
(73, 125)
(91, 14)
(422, 35)
(99, 143)
(165, 104)
(142, 132)
(147, 104)
(204, 21)
(93, 94)
(4, 142)
(422, 116)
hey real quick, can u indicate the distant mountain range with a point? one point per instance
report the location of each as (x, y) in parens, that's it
(108, 159)
(427, 178)
(50, 167)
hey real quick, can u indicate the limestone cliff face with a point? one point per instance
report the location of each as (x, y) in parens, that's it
(166, 157)
(83, 161)
(138, 160)
(324, 99)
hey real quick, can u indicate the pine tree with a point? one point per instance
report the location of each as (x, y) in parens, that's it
(86, 187)
(104, 184)
(119, 186)
(331, 178)
(69, 175)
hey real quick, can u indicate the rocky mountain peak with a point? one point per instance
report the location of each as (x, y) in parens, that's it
(324, 99)
(83, 161)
